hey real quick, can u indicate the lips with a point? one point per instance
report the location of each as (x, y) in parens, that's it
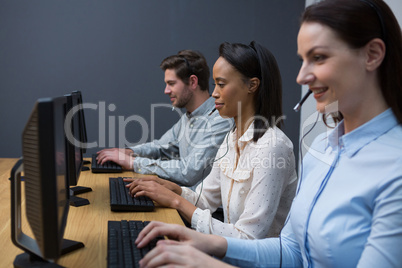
(319, 92)
(218, 105)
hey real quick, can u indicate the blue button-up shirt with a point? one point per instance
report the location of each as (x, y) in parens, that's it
(348, 212)
(185, 152)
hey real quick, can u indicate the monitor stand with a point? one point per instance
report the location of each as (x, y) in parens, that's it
(31, 260)
(85, 168)
(31, 257)
(78, 201)
(75, 200)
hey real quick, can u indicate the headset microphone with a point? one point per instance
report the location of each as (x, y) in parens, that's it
(300, 103)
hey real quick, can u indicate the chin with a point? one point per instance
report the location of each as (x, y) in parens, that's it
(223, 114)
(326, 108)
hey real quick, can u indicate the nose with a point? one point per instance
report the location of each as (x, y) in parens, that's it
(305, 76)
(215, 94)
(167, 90)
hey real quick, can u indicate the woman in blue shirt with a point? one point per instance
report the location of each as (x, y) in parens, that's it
(348, 207)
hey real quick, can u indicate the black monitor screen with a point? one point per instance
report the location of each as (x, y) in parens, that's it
(46, 184)
(72, 128)
(83, 129)
(45, 165)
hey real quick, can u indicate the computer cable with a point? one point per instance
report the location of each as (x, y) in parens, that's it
(213, 161)
(299, 183)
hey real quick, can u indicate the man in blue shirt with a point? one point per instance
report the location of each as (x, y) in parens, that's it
(184, 153)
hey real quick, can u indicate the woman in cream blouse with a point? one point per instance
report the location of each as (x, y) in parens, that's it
(253, 176)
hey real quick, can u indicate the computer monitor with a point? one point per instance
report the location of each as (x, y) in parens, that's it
(45, 165)
(84, 138)
(73, 127)
(78, 103)
(83, 129)
(72, 130)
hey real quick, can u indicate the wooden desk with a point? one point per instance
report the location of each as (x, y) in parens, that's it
(87, 224)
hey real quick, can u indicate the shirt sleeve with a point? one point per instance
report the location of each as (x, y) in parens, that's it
(383, 247)
(269, 180)
(166, 147)
(268, 252)
(162, 157)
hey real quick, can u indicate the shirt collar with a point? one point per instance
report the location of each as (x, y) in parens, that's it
(247, 136)
(203, 109)
(355, 140)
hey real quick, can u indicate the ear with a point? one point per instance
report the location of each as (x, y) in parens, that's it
(253, 85)
(193, 81)
(375, 51)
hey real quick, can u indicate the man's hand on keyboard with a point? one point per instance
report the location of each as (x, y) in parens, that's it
(123, 157)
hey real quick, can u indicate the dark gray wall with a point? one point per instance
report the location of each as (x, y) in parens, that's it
(111, 51)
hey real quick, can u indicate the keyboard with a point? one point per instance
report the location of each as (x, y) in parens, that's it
(121, 249)
(107, 167)
(121, 200)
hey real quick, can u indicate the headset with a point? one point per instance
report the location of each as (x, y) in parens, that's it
(296, 109)
(210, 163)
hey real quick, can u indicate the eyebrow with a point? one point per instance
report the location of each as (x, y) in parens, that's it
(311, 50)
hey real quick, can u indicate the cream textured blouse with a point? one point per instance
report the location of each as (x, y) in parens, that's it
(255, 188)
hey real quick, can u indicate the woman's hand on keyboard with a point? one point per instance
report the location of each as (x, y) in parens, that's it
(162, 195)
(176, 254)
(157, 192)
(168, 184)
(185, 247)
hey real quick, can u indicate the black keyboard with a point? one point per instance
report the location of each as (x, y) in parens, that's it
(121, 249)
(121, 200)
(107, 167)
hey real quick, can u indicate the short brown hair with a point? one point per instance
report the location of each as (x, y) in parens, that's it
(186, 63)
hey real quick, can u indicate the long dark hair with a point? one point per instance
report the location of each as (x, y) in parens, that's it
(357, 22)
(251, 61)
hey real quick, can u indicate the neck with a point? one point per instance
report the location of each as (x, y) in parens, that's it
(244, 119)
(355, 121)
(198, 99)
(371, 105)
